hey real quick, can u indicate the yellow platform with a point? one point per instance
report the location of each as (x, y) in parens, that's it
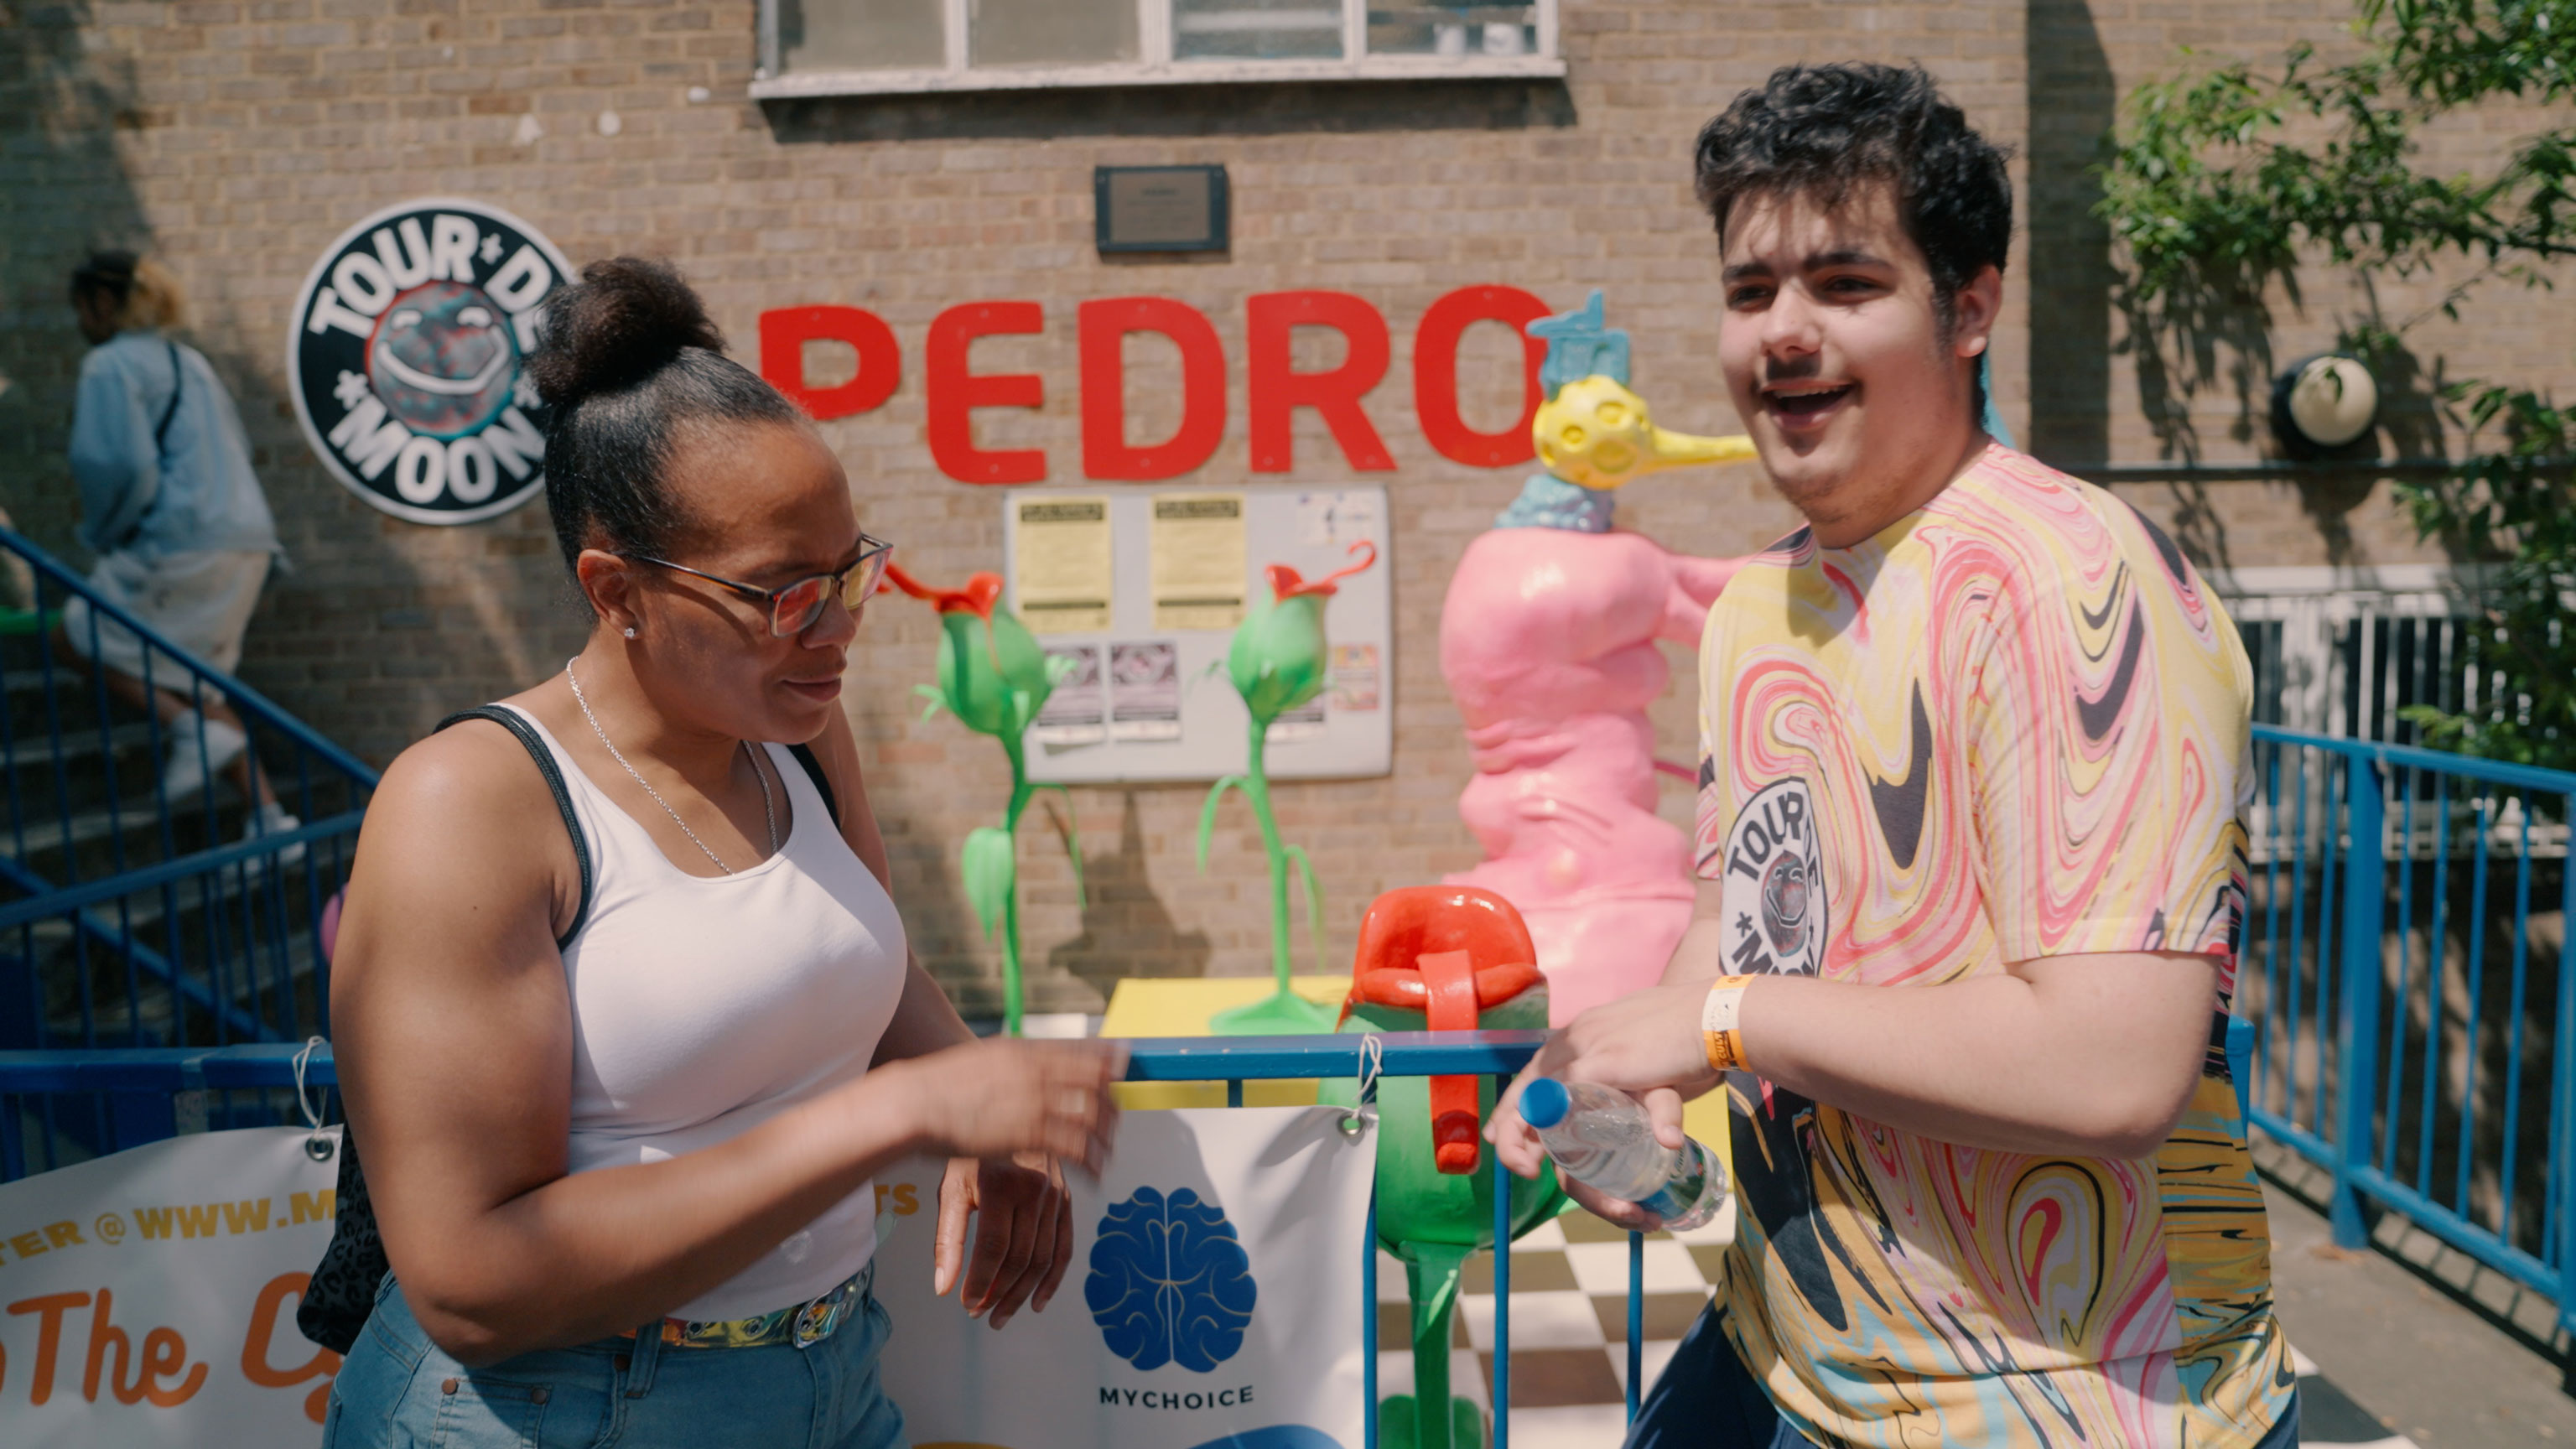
(1182, 1007)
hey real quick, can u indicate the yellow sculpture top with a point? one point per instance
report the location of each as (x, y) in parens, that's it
(1597, 434)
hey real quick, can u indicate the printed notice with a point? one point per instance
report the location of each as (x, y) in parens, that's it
(1077, 713)
(1336, 520)
(1305, 722)
(1145, 691)
(1355, 677)
(1061, 570)
(1198, 566)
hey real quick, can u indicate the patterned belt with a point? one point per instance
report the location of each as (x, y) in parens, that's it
(804, 1325)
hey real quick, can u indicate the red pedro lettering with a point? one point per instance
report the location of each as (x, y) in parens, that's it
(1103, 326)
(952, 392)
(783, 335)
(1435, 375)
(1276, 390)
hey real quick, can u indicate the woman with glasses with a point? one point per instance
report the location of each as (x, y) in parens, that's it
(622, 1080)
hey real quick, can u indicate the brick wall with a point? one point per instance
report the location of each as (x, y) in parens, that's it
(2098, 393)
(237, 137)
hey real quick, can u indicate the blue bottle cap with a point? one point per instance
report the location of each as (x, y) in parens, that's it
(1544, 1103)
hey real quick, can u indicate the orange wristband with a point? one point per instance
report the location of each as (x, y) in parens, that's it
(1719, 1032)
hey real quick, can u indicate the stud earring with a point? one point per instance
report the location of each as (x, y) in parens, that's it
(630, 631)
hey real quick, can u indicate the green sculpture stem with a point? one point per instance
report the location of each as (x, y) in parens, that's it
(1431, 1277)
(1256, 790)
(1021, 793)
(1283, 1012)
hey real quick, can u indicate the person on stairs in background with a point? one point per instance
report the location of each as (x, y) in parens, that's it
(170, 506)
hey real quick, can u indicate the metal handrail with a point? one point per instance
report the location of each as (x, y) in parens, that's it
(126, 905)
(2402, 1042)
(1149, 1059)
(59, 899)
(2500, 772)
(242, 696)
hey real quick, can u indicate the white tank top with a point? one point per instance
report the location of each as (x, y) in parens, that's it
(702, 1008)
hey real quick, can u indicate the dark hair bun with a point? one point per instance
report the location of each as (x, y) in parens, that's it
(621, 323)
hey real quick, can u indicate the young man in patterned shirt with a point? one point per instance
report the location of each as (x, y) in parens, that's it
(1970, 859)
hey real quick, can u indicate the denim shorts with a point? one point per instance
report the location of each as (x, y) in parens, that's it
(398, 1388)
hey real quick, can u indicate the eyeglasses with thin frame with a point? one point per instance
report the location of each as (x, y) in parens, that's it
(794, 608)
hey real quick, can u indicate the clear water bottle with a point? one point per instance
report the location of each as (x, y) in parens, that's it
(1604, 1140)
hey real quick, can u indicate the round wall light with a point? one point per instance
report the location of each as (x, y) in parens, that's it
(2323, 404)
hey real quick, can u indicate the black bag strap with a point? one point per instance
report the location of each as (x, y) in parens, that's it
(822, 786)
(511, 720)
(178, 385)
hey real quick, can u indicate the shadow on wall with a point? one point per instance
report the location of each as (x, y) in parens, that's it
(68, 193)
(354, 639)
(2073, 102)
(1127, 931)
(1219, 110)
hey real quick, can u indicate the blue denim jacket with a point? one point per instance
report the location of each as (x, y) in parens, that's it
(193, 491)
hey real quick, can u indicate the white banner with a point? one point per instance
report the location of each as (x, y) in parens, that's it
(1213, 1301)
(149, 1297)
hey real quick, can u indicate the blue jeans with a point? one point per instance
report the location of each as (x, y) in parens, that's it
(398, 1388)
(1706, 1399)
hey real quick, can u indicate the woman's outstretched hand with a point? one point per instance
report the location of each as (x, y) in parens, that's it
(1023, 1234)
(1000, 1098)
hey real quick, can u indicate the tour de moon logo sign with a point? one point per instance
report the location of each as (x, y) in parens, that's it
(405, 359)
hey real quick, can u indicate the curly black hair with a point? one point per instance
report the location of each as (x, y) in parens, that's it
(1819, 130)
(627, 358)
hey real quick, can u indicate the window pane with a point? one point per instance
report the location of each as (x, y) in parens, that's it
(1434, 27)
(1051, 32)
(860, 35)
(1256, 30)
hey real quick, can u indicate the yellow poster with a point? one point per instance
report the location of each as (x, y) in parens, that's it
(1198, 565)
(1061, 568)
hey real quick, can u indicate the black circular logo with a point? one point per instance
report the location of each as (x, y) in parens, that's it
(404, 359)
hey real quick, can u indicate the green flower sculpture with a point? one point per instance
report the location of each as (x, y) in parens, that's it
(995, 679)
(1278, 662)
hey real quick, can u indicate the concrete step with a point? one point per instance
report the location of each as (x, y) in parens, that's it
(269, 985)
(42, 772)
(35, 700)
(101, 841)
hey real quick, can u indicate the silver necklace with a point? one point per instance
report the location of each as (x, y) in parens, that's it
(768, 805)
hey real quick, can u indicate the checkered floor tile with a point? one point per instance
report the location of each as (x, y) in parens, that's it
(1569, 1331)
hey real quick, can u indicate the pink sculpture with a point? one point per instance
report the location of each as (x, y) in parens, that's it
(1547, 639)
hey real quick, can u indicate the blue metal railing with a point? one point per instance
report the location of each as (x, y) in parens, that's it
(133, 914)
(2410, 975)
(244, 1086)
(2406, 993)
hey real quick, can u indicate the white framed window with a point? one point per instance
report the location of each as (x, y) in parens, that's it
(889, 47)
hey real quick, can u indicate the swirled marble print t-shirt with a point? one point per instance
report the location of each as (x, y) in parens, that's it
(2011, 725)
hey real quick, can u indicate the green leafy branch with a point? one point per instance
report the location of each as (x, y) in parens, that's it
(2219, 186)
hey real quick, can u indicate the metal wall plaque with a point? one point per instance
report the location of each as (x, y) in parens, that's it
(1160, 208)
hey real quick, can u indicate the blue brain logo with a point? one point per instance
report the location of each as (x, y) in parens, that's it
(1169, 1282)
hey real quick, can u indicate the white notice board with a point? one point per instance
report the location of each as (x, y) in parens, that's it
(1153, 703)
